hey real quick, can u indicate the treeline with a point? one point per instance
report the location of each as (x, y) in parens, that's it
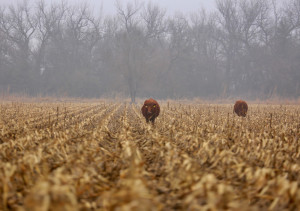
(245, 48)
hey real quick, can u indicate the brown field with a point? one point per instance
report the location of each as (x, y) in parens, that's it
(102, 155)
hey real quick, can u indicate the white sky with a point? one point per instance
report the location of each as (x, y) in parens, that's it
(184, 6)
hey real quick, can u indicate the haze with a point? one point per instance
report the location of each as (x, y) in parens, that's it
(108, 6)
(163, 49)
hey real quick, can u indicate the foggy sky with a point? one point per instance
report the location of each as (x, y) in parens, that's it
(184, 6)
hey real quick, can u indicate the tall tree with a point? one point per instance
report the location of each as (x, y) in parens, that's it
(18, 26)
(131, 45)
(229, 39)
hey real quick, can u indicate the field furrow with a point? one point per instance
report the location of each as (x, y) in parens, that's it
(104, 156)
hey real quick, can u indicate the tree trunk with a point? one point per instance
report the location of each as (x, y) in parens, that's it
(132, 88)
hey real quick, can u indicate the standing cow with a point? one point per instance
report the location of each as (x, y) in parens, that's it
(240, 108)
(150, 110)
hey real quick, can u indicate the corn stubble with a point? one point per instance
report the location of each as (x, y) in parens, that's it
(103, 156)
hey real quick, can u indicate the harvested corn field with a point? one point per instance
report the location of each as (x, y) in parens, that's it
(104, 156)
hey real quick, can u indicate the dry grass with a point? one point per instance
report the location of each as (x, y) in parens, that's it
(103, 156)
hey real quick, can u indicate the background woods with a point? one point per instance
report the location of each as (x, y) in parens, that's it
(244, 48)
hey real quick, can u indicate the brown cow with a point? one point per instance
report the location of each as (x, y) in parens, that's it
(150, 110)
(240, 108)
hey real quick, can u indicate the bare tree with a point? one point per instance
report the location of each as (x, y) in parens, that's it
(285, 49)
(48, 17)
(154, 19)
(131, 46)
(179, 52)
(205, 53)
(250, 11)
(229, 39)
(18, 26)
(5, 62)
(129, 14)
